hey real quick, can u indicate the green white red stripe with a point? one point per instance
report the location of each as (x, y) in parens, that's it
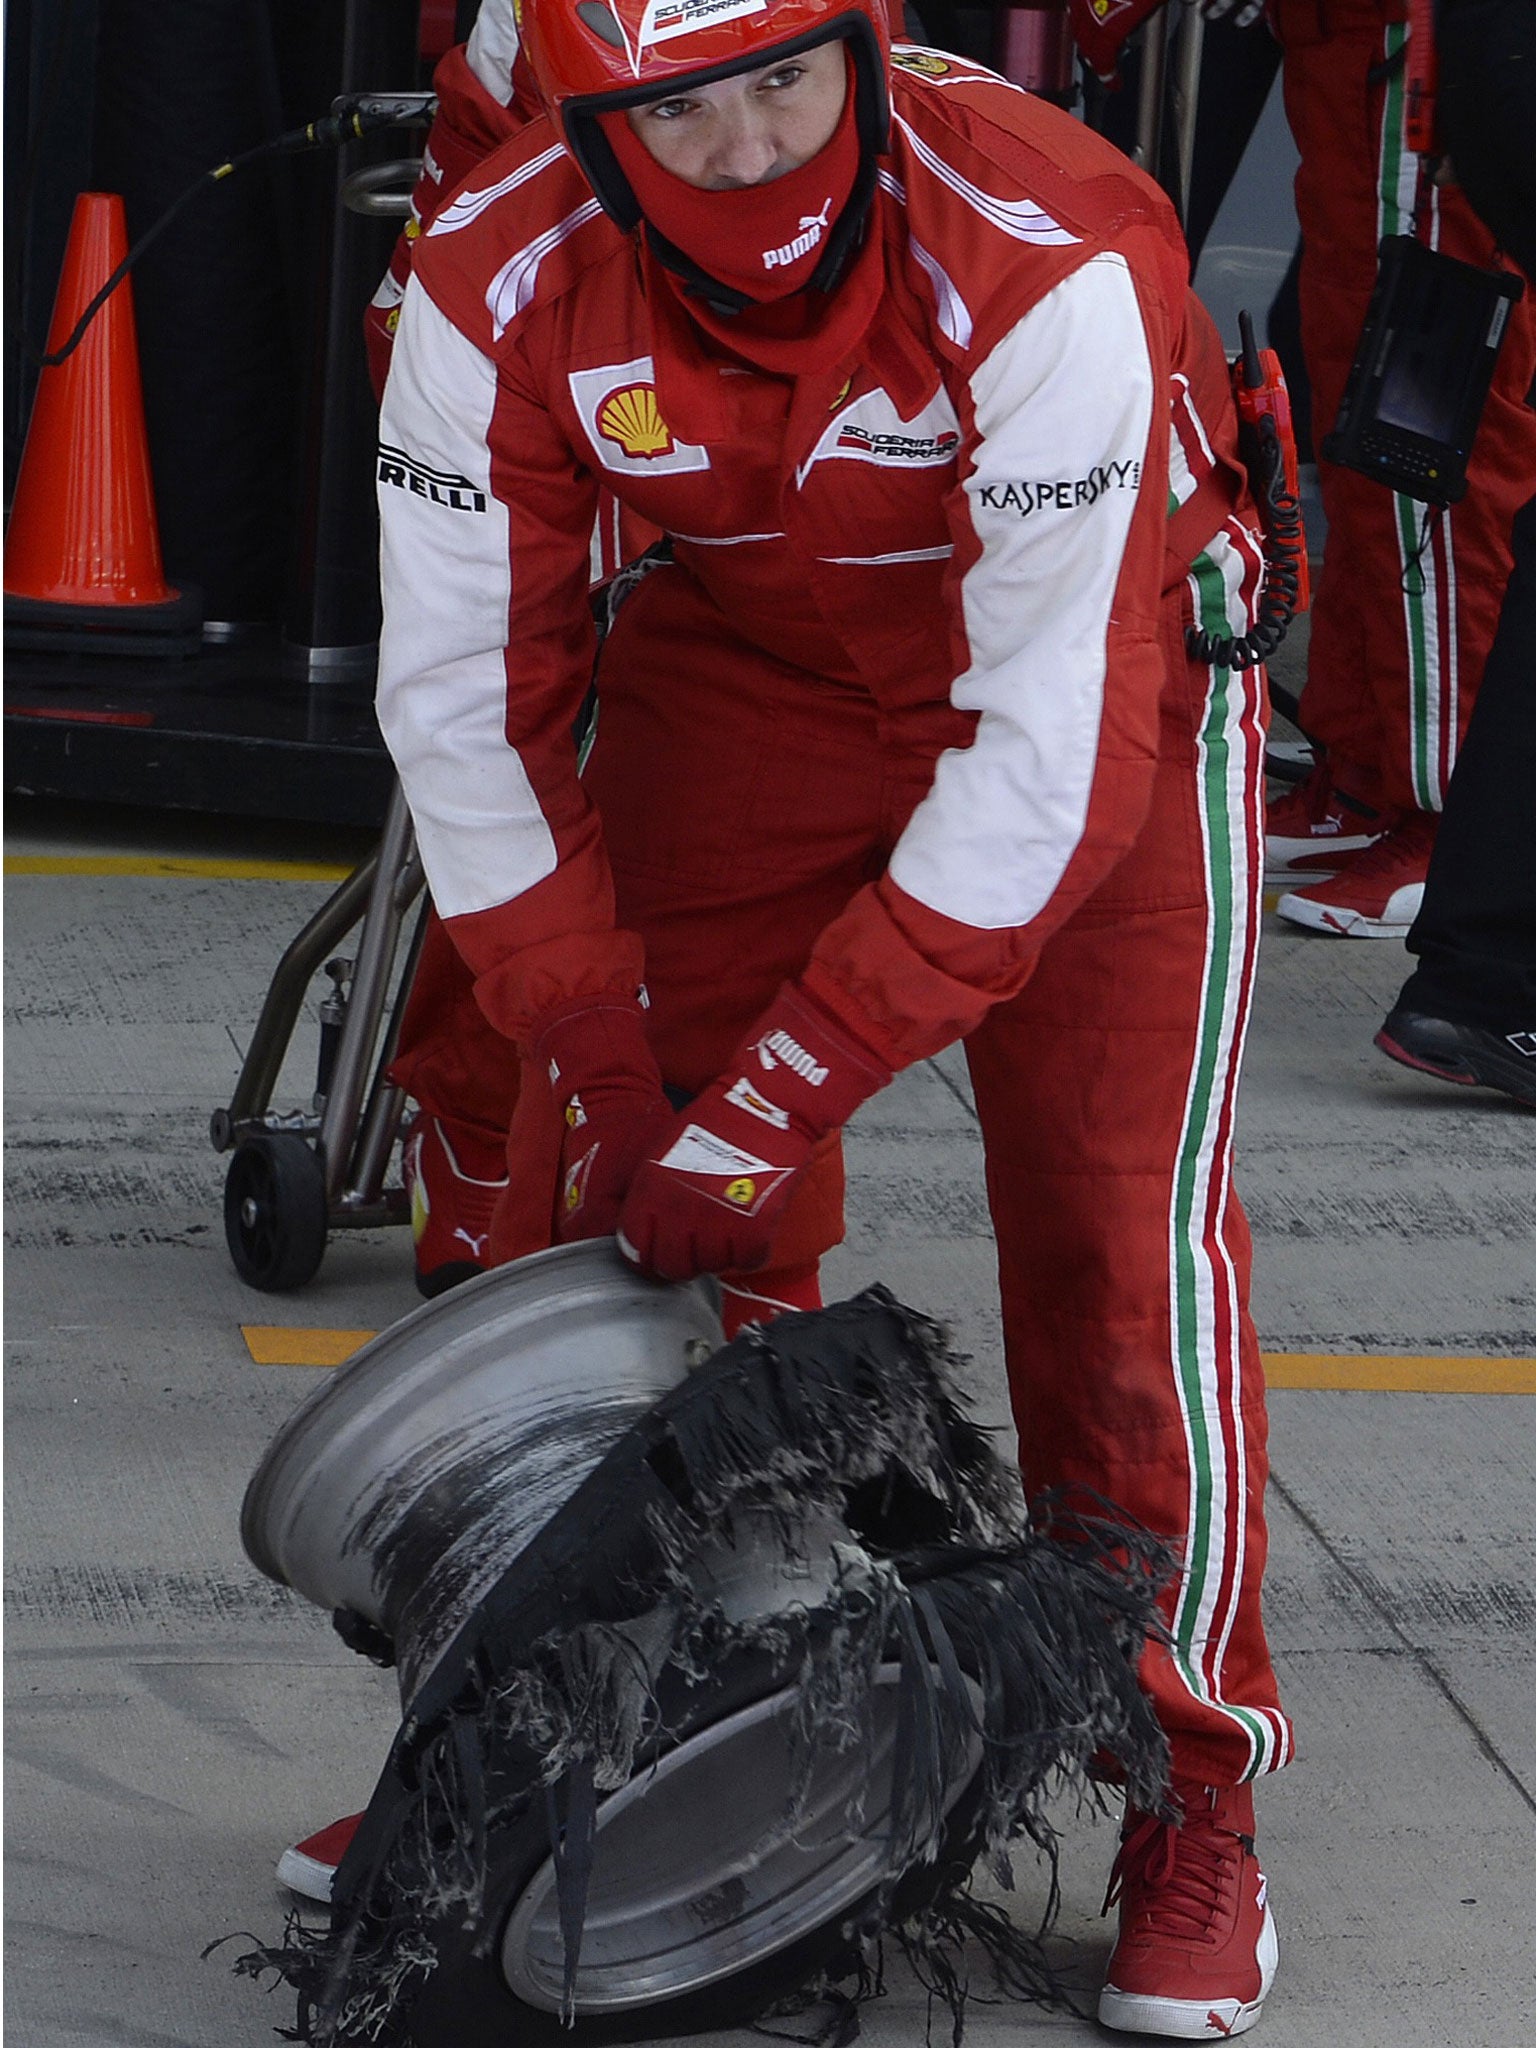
(1206, 1309)
(1405, 205)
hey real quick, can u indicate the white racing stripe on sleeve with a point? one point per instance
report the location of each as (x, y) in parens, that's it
(1063, 410)
(954, 314)
(1020, 218)
(447, 582)
(470, 204)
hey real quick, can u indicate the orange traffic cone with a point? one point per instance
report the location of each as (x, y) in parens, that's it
(82, 560)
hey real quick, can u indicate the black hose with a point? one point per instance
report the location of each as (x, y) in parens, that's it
(335, 128)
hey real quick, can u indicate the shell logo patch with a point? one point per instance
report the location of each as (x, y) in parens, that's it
(619, 414)
(632, 418)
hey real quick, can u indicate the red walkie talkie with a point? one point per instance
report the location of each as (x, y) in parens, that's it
(1266, 442)
(1265, 431)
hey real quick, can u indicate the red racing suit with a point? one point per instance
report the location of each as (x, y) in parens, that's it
(910, 717)
(1404, 611)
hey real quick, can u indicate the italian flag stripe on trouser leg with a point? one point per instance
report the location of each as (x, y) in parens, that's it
(1205, 1306)
(1426, 563)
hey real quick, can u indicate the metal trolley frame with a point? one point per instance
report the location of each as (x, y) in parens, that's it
(294, 1177)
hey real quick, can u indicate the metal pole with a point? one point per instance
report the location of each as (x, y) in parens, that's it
(1149, 99)
(284, 999)
(365, 1004)
(381, 1117)
(1185, 102)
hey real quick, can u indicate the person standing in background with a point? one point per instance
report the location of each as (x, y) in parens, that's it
(1468, 1014)
(1404, 611)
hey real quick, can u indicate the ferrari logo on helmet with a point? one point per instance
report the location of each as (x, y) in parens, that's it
(665, 19)
(632, 418)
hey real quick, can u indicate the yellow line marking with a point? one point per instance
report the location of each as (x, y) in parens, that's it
(274, 1344)
(271, 1344)
(1386, 1373)
(175, 864)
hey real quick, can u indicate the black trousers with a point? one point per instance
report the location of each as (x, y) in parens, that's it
(1475, 937)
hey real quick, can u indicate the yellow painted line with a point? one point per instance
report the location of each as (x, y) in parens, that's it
(1386, 1373)
(169, 864)
(270, 1344)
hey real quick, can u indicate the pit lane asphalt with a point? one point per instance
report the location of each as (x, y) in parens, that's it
(173, 1719)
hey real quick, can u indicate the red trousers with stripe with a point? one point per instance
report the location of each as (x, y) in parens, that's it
(1404, 612)
(743, 803)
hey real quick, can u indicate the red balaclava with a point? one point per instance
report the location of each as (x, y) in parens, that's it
(763, 241)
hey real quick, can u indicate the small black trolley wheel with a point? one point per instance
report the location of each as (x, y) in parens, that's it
(275, 1211)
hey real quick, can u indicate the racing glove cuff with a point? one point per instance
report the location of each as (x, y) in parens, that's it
(709, 1198)
(607, 1087)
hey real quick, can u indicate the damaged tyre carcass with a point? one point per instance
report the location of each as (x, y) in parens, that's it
(721, 1665)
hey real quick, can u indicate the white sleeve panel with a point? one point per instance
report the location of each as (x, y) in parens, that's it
(1063, 410)
(492, 48)
(447, 582)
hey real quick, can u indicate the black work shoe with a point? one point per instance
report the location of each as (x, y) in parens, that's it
(1464, 1053)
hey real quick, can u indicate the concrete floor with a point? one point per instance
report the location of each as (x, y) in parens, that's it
(173, 1719)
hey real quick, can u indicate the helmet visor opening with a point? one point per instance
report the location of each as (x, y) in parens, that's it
(594, 154)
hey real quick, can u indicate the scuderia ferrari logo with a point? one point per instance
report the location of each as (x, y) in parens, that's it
(871, 430)
(665, 19)
(623, 420)
(723, 1172)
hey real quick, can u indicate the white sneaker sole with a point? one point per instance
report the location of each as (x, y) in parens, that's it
(1312, 857)
(305, 1875)
(1401, 909)
(1193, 2019)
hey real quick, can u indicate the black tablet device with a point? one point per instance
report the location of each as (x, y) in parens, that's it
(1420, 376)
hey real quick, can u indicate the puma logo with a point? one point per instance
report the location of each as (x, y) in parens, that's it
(476, 1244)
(812, 227)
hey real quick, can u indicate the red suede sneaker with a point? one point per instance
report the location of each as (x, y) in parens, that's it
(309, 1866)
(453, 1173)
(1313, 826)
(1375, 894)
(1197, 1947)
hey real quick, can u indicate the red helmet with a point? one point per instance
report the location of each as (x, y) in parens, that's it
(618, 52)
(595, 57)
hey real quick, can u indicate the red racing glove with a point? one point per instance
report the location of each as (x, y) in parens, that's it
(607, 1086)
(710, 1196)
